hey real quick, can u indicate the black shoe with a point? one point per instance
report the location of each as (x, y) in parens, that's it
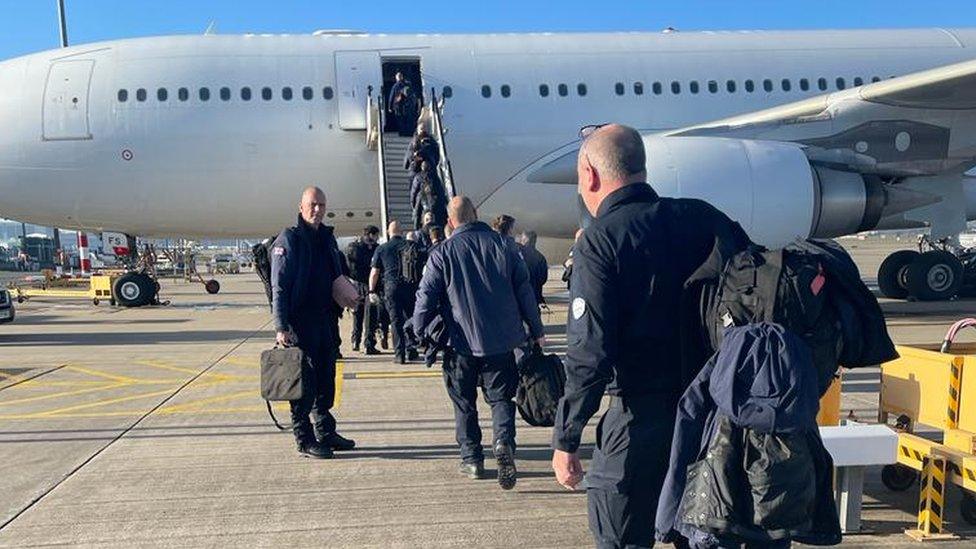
(314, 450)
(372, 351)
(412, 354)
(400, 359)
(355, 347)
(474, 470)
(339, 355)
(335, 441)
(505, 458)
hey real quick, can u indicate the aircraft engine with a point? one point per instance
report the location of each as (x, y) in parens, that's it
(769, 187)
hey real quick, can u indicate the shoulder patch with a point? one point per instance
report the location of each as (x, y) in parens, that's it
(579, 308)
(279, 250)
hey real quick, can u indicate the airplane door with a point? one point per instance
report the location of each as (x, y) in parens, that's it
(356, 71)
(65, 111)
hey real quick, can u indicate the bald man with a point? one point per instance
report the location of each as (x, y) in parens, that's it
(398, 289)
(629, 268)
(304, 267)
(485, 283)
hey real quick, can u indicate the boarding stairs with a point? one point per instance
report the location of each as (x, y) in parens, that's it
(391, 149)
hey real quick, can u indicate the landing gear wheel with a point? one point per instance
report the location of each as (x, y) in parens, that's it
(95, 302)
(934, 276)
(967, 508)
(134, 290)
(893, 273)
(898, 478)
(212, 286)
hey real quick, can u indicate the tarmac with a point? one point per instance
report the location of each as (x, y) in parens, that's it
(144, 428)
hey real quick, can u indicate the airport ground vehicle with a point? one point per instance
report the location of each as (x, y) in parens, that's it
(7, 310)
(939, 270)
(224, 264)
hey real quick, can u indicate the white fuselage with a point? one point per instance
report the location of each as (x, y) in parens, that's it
(73, 155)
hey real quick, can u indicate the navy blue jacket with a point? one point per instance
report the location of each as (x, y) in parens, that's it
(763, 379)
(623, 332)
(291, 263)
(485, 284)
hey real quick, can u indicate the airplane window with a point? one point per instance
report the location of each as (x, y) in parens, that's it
(750, 86)
(505, 90)
(676, 87)
(858, 81)
(730, 86)
(286, 94)
(123, 96)
(225, 94)
(486, 91)
(581, 89)
(875, 79)
(204, 94)
(162, 94)
(141, 95)
(307, 93)
(447, 92)
(246, 94)
(266, 94)
(786, 84)
(639, 88)
(768, 85)
(804, 84)
(563, 90)
(693, 87)
(712, 86)
(544, 90)
(183, 94)
(619, 88)
(327, 92)
(822, 84)
(841, 84)
(657, 88)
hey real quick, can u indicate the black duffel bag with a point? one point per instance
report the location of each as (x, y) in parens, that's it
(542, 381)
(282, 376)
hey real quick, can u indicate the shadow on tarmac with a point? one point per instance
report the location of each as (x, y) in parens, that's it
(130, 338)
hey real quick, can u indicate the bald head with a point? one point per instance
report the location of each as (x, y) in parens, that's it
(610, 158)
(460, 210)
(393, 229)
(312, 206)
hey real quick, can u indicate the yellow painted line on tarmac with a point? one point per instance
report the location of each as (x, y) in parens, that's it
(242, 362)
(393, 375)
(337, 400)
(197, 403)
(96, 373)
(165, 366)
(104, 387)
(59, 411)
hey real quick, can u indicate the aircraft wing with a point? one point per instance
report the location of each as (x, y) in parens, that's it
(918, 124)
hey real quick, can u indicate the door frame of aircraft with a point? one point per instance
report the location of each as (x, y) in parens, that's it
(356, 72)
(412, 67)
(66, 93)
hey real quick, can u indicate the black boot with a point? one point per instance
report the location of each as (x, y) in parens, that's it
(505, 458)
(315, 450)
(335, 441)
(474, 470)
(372, 351)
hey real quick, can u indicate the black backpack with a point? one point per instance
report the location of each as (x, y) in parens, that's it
(787, 287)
(412, 260)
(262, 263)
(542, 381)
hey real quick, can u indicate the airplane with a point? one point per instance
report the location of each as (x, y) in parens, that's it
(791, 133)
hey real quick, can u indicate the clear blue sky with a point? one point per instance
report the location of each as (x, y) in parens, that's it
(31, 25)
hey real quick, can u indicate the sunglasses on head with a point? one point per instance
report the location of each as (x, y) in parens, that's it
(587, 131)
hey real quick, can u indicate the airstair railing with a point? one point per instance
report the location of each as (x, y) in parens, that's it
(380, 110)
(437, 123)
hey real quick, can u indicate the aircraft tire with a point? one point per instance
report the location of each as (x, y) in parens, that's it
(212, 286)
(892, 274)
(934, 276)
(134, 290)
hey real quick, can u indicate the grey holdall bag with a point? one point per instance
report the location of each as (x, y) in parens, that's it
(282, 376)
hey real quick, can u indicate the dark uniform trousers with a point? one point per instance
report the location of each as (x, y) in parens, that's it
(400, 299)
(628, 469)
(316, 340)
(498, 377)
(362, 319)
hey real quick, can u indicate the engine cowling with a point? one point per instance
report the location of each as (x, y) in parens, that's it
(769, 187)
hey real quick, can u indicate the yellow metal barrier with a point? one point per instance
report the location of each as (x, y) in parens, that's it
(99, 289)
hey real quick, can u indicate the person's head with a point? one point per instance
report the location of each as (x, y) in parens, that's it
(610, 158)
(424, 166)
(393, 229)
(460, 211)
(436, 234)
(421, 130)
(312, 206)
(411, 236)
(529, 238)
(371, 233)
(399, 76)
(428, 218)
(503, 224)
